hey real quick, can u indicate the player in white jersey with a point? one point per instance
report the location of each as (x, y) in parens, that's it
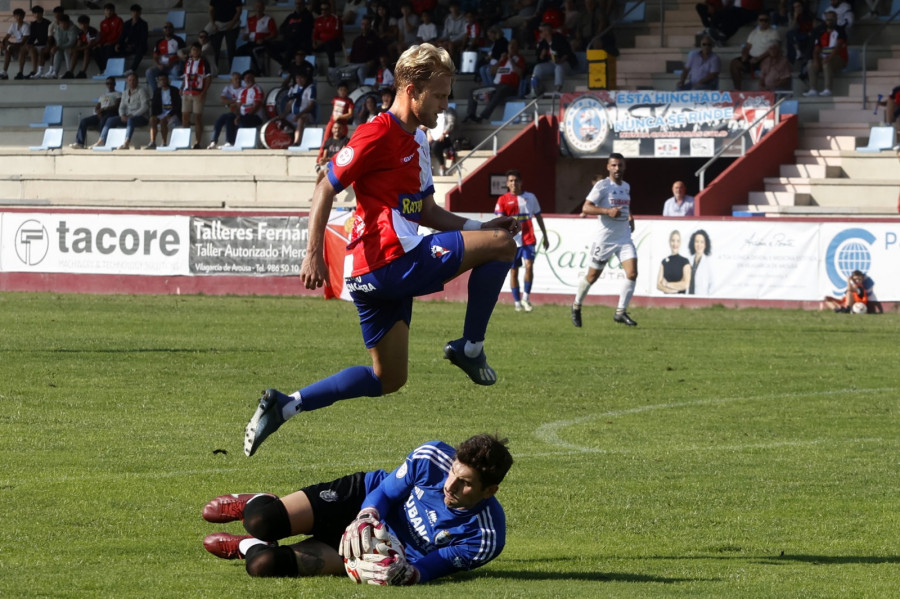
(610, 201)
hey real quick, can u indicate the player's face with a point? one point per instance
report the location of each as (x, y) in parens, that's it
(616, 168)
(514, 184)
(463, 489)
(431, 100)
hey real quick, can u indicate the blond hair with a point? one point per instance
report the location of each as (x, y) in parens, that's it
(422, 63)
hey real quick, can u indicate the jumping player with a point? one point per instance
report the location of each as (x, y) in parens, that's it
(523, 206)
(610, 200)
(465, 525)
(389, 165)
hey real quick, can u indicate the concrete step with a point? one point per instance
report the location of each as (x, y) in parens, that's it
(863, 166)
(670, 41)
(787, 185)
(863, 193)
(810, 171)
(831, 142)
(850, 115)
(777, 198)
(829, 158)
(813, 211)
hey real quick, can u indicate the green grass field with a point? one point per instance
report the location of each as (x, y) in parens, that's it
(707, 453)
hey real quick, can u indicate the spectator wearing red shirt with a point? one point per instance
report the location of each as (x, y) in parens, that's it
(328, 34)
(507, 74)
(341, 113)
(165, 56)
(110, 32)
(261, 29)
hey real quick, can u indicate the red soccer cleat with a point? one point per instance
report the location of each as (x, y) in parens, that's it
(228, 508)
(224, 545)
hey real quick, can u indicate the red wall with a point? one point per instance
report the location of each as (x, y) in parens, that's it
(746, 174)
(533, 152)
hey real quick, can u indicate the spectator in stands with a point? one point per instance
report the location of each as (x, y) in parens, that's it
(799, 34)
(453, 36)
(427, 31)
(440, 141)
(165, 56)
(341, 112)
(224, 23)
(363, 57)
(106, 108)
(368, 111)
(408, 26)
(328, 34)
(330, 148)
(702, 67)
(111, 28)
(194, 87)
(474, 39)
(755, 50)
(295, 34)
(723, 21)
(352, 10)
(207, 52)
(387, 98)
(520, 12)
(301, 109)
(892, 108)
(844, 12)
(260, 30)
(680, 204)
(498, 48)
(61, 51)
(84, 47)
(230, 97)
(35, 43)
(775, 73)
(873, 9)
(46, 55)
(386, 29)
(165, 111)
(250, 110)
(14, 41)
(507, 74)
(829, 55)
(555, 57)
(134, 38)
(384, 77)
(134, 111)
(300, 64)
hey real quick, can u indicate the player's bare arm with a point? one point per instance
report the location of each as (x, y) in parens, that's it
(313, 271)
(540, 222)
(590, 209)
(435, 217)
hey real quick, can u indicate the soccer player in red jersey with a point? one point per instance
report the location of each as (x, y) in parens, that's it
(389, 164)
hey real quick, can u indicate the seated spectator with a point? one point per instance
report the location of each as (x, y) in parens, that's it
(384, 77)
(799, 34)
(260, 30)
(35, 44)
(453, 36)
(498, 48)
(829, 55)
(295, 34)
(754, 51)
(427, 31)
(330, 148)
(723, 21)
(702, 67)
(301, 109)
(111, 28)
(133, 41)
(14, 41)
(892, 108)
(775, 73)
(844, 12)
(474, 39)
(352, 9)
(440, 141)
(165, 110)
(386, 29)
(134, 110)
(387, 99)
(84, 47)
(197, 79)
(368, 111)
(680, 204)
(857, 292)
(407, 26)
(230, 97)
(555, 58)
(363, 58)
(106, 108)
(341, 112)
(507, 74)
(298, 64)
(328, 34)
(165, 56)
(250, 109)
(61, 50)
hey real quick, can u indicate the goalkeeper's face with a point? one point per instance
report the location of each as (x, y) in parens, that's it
(463, 488)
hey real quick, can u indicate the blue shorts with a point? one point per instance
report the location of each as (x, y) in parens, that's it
(384, 296)
(524, 252)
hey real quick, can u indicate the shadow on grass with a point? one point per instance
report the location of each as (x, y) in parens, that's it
(585, 576)
(139, 350)
(828, 560)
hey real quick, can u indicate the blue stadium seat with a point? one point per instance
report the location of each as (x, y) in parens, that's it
(638, 15)
(245, 140)
(115, 67)
(53, 138)
(880, 138)
(180, 140)
(311, 140)
(53, 115)
(510, 110)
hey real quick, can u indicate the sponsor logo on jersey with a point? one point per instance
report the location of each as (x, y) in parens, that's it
(329, 495)
(356, 284)
(459, 562)
(438, 252)
(443, 538)
(344, 156)
(401, 471)
(410, 205)
(432, 516)
(408, 158)
(416, 522)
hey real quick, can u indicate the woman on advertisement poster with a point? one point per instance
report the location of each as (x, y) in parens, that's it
(701, 282)
(675, 270)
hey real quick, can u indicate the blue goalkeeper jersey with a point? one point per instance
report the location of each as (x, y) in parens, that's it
(438, 540)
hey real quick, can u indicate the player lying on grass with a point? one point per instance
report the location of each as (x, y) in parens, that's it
(389, 164)
(439, 503)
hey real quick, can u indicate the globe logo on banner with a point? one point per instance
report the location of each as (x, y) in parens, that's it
(849, 250)
(32, 242)
(585, 124)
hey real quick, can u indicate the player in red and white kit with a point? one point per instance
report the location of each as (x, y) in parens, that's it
(389, 164)
(610, 200)
(523, 206)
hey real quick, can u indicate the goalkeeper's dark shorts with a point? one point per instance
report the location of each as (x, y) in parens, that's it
(335, 504)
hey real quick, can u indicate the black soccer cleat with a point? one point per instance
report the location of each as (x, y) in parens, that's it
(576, 316)
(624, 318)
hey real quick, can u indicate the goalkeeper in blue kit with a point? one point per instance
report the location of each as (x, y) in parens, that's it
(439, 504)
